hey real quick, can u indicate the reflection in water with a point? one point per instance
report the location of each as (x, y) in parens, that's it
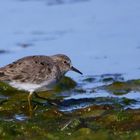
(20, 117)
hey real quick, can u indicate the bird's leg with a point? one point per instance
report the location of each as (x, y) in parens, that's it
(29, 101)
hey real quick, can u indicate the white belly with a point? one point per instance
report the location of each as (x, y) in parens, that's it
(47, 85)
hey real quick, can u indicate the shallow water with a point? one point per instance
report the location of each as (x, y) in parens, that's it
(102, 39)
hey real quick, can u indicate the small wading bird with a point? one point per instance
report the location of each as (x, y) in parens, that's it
(32, 73)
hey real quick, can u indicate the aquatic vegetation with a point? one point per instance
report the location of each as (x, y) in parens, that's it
(73, 115)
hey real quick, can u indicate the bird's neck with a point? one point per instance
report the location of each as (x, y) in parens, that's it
(61, 69)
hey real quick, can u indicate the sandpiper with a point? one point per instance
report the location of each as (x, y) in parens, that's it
(32, 73)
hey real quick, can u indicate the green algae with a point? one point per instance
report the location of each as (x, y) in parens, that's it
(51, 125)
(120, 88)
(104, 118)
(89, 79)
(65, 83)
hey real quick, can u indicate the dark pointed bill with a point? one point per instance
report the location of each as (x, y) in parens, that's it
(76, 70)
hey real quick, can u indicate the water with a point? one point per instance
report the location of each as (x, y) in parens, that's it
(104, 35)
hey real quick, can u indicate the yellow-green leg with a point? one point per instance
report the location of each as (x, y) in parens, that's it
(29, 102)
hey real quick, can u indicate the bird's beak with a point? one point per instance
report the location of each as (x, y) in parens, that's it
(76, 70)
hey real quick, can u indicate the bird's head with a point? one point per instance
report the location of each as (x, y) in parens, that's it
(64, 63)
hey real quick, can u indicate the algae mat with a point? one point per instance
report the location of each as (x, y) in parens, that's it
(97, 107)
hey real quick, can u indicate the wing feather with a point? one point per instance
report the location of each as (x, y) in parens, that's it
(32, 69)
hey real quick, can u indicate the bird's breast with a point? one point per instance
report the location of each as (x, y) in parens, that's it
(47, 85)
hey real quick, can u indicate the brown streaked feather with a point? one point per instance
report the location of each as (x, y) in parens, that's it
(2, 76)
(32, 69)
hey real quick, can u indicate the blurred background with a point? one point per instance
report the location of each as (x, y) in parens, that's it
(99, 36)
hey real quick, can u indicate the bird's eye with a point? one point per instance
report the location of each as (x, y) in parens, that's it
(65, 62)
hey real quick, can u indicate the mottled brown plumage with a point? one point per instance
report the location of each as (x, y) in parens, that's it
(31, 69)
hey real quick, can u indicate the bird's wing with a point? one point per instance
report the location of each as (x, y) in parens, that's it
(29, 69)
